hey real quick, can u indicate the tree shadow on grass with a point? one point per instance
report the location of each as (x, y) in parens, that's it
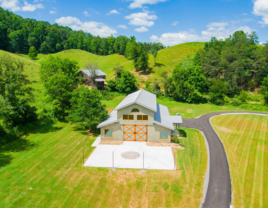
(5, 160)
(12, 142)
(182, 133)
(158, 65)
(15, 146)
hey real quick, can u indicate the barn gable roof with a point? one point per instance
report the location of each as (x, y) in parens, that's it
(147, 100)
(141, 97)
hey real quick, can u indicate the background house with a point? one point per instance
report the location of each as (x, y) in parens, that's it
(139, 118)
(89, 75)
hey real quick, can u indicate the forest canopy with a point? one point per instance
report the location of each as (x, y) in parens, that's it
(18, 35)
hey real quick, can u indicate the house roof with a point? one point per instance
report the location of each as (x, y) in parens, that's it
(99, 80)
(148, 100)
(98, 72)
(141, 97)
(110, 120)
(163, 118)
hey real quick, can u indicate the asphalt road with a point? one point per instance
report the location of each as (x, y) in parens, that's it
(219, 187)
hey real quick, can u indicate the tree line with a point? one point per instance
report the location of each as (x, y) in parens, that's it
(19, 35)
(222, 72)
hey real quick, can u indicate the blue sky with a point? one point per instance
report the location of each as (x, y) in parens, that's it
(168, 21)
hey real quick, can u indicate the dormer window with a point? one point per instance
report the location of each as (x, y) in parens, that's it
(135, 110)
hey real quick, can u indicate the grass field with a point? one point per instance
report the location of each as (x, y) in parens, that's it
(44, 169)
(245, 139)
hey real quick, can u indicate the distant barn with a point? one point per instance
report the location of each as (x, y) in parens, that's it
(99, 77)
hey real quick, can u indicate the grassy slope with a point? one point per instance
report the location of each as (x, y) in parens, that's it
(44, 170)
(245, 139)
(31, 69)
(166, 59)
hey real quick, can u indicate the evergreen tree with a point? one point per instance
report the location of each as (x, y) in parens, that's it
(141, 60)
(127, 83)
(32, 52)
(131, 48)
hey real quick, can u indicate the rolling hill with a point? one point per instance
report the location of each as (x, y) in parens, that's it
(166, 60)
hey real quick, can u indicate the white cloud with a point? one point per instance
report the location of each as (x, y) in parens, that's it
(141, 29)
(213, 30)
(180, 37)
(175, 23)
(141, 18)
(52, 12)
(31, 7)
(13, 5)
(10, 4)
(154, 38)
(122, 26)
(95, 28)
(245, 14)
(113, 12)
(261, 9)
(139, 3)
(68, 21)
(86, 13)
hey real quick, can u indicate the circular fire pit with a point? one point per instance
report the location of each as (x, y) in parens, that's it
(130, 155)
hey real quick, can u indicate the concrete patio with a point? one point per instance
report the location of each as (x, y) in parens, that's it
(130, 155)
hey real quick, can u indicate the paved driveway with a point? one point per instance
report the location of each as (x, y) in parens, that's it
(219, 190)
(159, 158)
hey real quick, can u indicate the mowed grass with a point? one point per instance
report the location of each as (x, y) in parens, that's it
(245, 139)
(44, 169)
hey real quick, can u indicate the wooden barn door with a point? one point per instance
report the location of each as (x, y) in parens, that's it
(141, 133)
(129, 132)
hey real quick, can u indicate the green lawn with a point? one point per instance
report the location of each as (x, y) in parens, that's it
(245, 139)
(44, 169)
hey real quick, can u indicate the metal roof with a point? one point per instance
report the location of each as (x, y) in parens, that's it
(110, 120)
(141, 97)
(98, 72)
(163, 118)
(148, 100)
(99, 80)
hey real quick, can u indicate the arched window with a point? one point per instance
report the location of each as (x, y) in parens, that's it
(135, 110)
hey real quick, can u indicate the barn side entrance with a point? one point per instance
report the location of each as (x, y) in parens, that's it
(135, 132)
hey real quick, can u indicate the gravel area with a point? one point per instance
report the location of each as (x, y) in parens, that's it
(165, 144)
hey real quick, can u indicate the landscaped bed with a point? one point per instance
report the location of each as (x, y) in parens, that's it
(245, 139)
(45, 170)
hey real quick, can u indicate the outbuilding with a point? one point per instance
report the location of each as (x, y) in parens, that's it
(140, 118)
(98, 76)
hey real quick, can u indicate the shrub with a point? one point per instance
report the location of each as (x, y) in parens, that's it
(243, 96)
(218, 91)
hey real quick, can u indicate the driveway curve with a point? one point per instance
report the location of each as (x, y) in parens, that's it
(219, 190)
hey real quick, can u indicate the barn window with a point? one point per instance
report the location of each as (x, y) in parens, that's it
(108, 133)
(142, 117)
(128, 117)
(135, 110)
(163, 135)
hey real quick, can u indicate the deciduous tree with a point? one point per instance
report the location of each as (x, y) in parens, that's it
(87, 110)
